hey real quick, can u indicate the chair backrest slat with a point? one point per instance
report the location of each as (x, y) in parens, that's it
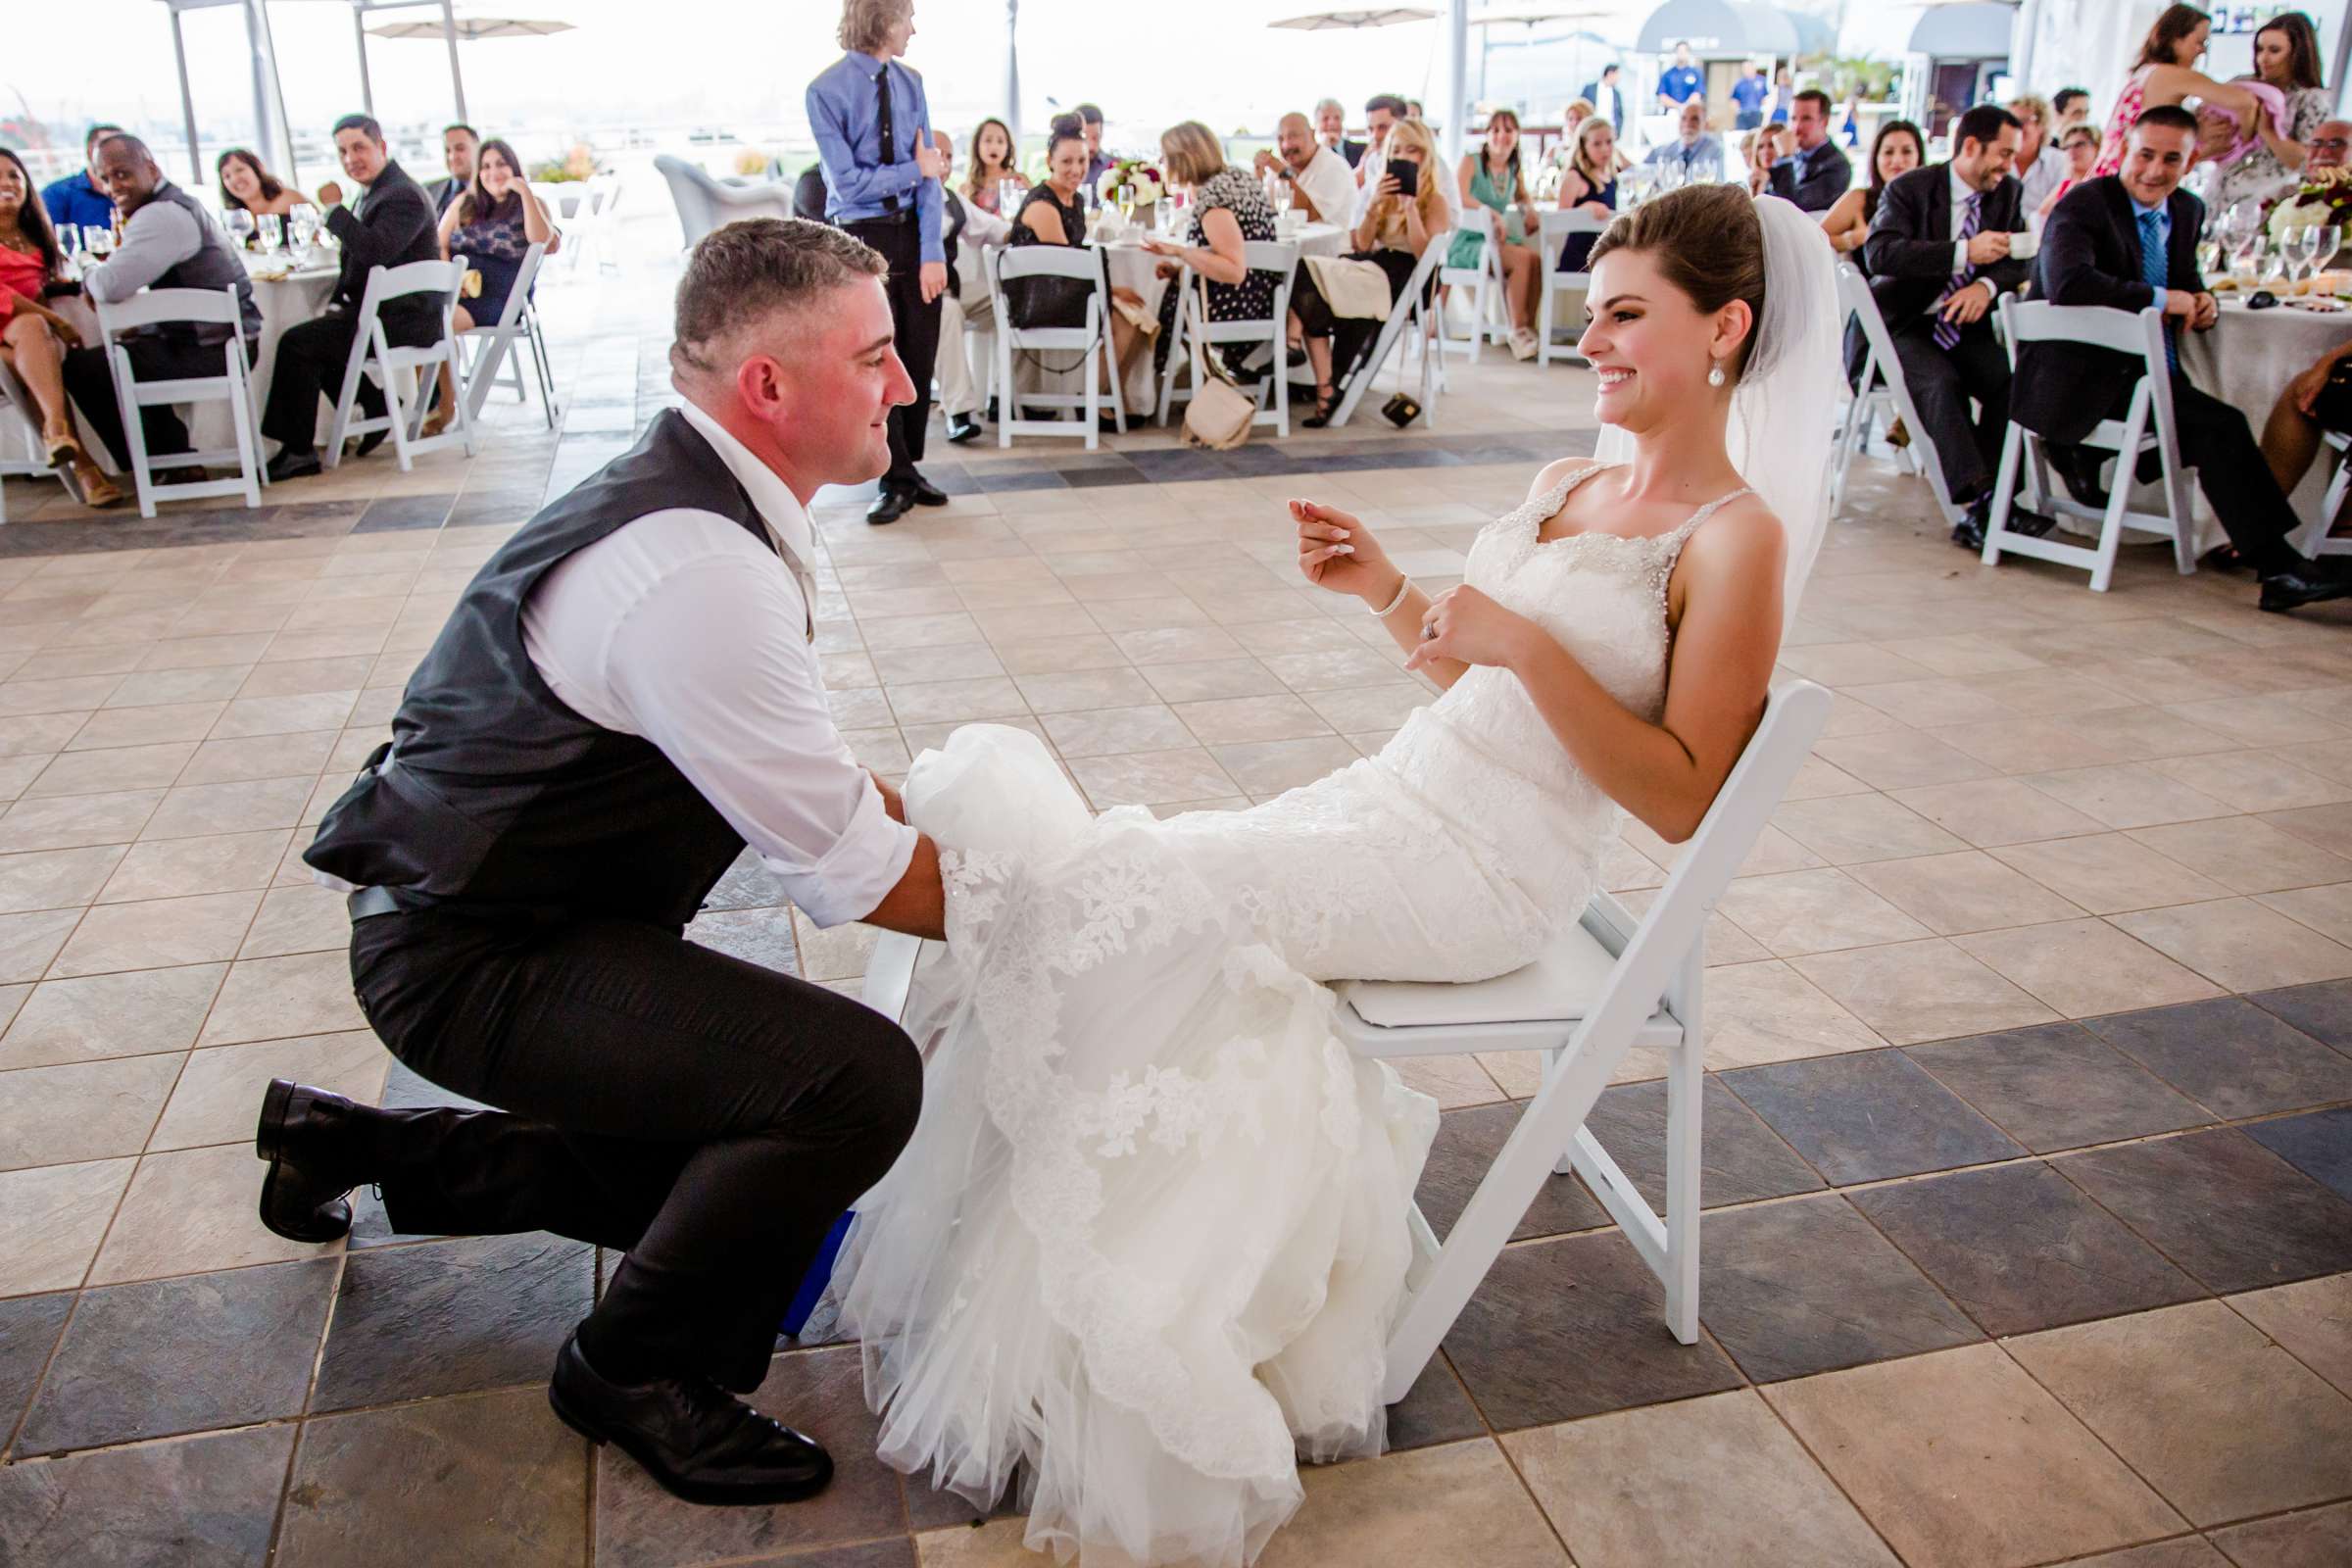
(1049, 261)
(156, 306)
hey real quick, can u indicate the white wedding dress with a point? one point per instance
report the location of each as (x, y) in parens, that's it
(1149, 1236)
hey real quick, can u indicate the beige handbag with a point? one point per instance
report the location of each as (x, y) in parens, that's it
(1219, 415)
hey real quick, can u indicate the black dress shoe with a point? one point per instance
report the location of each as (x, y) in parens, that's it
(292, 465)
(371, 440)
(990, 414)
(1969, 532)
(963, 427)
(889, 507)
(303, 1136)
(700, 1441)
(2079, 469)
(2032, 525)
(2304, 585)
(924, 493)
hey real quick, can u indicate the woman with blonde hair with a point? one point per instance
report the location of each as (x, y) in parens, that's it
(1394, 230)
(1588, 185)
(1227, 210)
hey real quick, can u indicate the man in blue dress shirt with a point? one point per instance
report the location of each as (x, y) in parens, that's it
(1680, 82)
(81, 199)
(882, 170)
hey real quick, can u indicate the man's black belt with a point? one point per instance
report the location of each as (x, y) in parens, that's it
(888, 219)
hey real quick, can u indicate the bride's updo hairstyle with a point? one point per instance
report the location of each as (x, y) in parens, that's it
(1707, 242)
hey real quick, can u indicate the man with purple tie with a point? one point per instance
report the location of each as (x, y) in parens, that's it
(883, 168)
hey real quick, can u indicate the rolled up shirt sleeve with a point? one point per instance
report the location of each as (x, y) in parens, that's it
(711, 663)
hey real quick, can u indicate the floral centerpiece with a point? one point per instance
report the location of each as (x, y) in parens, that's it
(1131, 183)
(2324, 197)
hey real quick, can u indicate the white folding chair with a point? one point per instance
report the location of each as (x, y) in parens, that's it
(1483, 282)
(1083, 264)
(2313, 539)
(1610, 984)
(1407, 323)
(371, 350)
(494, 345)
(233, 386)
(1884, 394)
(2148, 424)
(20, 452)
(1556, 226)
(1192, 326)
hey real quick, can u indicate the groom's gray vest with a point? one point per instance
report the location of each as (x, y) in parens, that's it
(495, 798)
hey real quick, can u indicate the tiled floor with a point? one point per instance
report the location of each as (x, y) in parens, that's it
(2028, 1135)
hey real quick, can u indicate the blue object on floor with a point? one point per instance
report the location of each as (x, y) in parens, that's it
(813, 1284)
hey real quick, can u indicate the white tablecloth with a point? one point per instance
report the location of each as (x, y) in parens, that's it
(2246, 361)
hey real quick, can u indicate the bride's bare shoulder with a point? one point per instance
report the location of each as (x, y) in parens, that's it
(1741, 536)
(1553, 473)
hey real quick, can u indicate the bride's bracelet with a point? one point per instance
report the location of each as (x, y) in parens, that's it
(1405, 586)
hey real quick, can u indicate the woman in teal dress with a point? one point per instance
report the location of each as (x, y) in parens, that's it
(1490, 177)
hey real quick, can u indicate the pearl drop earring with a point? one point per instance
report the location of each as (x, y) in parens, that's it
(1715, 375)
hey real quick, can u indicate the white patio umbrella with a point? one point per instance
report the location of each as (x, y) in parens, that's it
(1457, 50)
(469, 28)
(1360, 17)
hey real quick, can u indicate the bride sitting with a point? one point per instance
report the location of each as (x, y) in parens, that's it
(1143, 1249)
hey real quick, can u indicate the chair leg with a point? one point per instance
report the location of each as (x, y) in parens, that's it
(1686, 1087)
(2004, 494)
(134, 430)
(240, 410)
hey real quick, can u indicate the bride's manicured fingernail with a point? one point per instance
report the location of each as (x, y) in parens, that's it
(1343, 550)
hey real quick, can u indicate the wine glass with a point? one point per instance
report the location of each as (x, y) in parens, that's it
(240, 226)
(273, 230)
(303, 223)
(2271, 258)
(2326, 241)
(69, 239)
(98, 242)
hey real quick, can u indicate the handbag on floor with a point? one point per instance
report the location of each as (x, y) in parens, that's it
(1219, 415)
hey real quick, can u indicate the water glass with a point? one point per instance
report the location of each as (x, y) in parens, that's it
(240, 226)
(69, 239)
(2273, 261)
(273, 230)
(303, 222)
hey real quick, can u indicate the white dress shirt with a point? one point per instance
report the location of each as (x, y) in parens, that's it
(1962, 190)
(1329, 183)
(680, 628)
(2039, 178)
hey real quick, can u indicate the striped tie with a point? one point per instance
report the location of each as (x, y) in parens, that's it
(1947, 332)
(2153, 271)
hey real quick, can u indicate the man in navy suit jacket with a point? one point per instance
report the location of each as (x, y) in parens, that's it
(1818, 173)
(2096, 250)
(1606, 94)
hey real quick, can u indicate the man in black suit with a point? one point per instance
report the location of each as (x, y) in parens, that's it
(1818, 173)
(1939, 256)
(391, 224)
(460, 143)
(1331, 129)
(2126, 241)
(1606, 94)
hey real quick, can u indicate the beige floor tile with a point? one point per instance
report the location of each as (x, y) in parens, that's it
(39, 735)
(83, 1111)
(2109, 872)
(949, 661)
(117, 768)
(1842, 664)
(1916, 991)
(2253, 781)
(146, 726)
(1814, 911)
(2221, 1421)
(1233, 720)
(2259, 720)
(135, 1013)
(2025, 745)
(157, 933)
(223, 862)
(1694, 1483)
(1459, 1501)
(2085, 967)
(955, 702)
(2245, 854)
(1998, 811)
(1107, 731)
(52, 1218)
(298, 919)
(1967, 891)
(75, 821)
(1265, 768)
(2325, 910)
(840, 952)
(1755, 1013)
(197, 811)
(1961, 1461)
(2127, 795)
(1330, 670)
(1044, 655)
(1450, 1081)
(29, 941)
(158, 688)
(1146, 778)
(1086, 689)
(55, 879)
(1862, 827)
(1211, 679)
(271, 999)
(2239, 945)
(219, 1095)
(188, 1212)
(2312, 1319)
(1901, 758)
(2327, 826)
(285, 715)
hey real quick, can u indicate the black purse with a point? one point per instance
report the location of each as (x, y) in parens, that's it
(2333, 406)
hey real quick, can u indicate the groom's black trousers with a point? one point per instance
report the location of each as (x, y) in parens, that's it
(707, 1116)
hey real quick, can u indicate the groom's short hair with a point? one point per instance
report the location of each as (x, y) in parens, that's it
(742, 276)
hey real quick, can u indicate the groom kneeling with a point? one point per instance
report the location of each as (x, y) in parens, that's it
(625, 693)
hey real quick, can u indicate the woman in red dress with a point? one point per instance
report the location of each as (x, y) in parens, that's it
(33, 338)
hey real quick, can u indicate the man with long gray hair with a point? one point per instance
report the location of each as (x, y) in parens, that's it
(625, 696)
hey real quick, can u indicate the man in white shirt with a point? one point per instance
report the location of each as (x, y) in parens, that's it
(626, 695)
(1322, 185)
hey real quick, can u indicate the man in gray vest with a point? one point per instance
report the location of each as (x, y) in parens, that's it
(626, 694)
(169, 241)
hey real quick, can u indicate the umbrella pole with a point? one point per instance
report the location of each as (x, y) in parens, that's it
(449, 35)
(358, 34)
(187, 102)
(1457, 70)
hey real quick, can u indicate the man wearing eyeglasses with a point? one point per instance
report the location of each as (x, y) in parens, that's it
(2331, 145)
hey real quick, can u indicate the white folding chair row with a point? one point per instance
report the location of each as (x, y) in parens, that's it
(1610, 984)
(1556, 226)
(503, 343)
(394, 367)
(20, 452)
(1082, 262)
(2147, 425)
(233, 386)
(1884, 392)
(1407, 324)
(1484, 283)
(2313, 539)
(1192, 327)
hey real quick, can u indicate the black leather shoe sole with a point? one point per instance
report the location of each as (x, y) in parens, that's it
(371, 440)
(321, 1221)
(2281, 594)
(281, 469)
(696, 1491)
(1968, 536)
(961, 430)
(2030, 525)
(889, 507)
(927, 494)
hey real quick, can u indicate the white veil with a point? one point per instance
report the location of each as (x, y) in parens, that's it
(1779, 436)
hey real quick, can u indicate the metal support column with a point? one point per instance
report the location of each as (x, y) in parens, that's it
(187, 102)
(449, 35)
(358, 34)
(1457, 72)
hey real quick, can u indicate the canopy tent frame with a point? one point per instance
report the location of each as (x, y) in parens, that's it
(272, 129)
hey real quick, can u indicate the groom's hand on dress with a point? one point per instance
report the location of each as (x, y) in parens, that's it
(1339, 553)
(891, 800)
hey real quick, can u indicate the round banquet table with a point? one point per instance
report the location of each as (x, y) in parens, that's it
(1132, 267)
(2248, 358)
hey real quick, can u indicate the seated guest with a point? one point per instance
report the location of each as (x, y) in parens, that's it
(33, 338)
(1894, 152)
(494, 226)
(2126, 241)
(1097, 162)
(80, 197)
(247, 188)
(2039, 169)
(1815, 172)
(2331, 144)
(1227, 210)
(1382, 113)
(2314, 404)
(2069, 107)
(1391, 235)
(1696, 150)
(1588, 185)
(394, 227)
(459, 145)
(1321, 187)
(1576, 112)
(169, 241)
(1937, 257)
(1052, 213)
(1490, 177)
(1759, 150)
(992, 164)
(967, 229)
(2078, 148)
(1331, 129)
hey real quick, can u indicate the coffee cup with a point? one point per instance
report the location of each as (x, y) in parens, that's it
(2022, 244)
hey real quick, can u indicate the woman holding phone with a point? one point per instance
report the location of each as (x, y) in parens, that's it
(1408, 211)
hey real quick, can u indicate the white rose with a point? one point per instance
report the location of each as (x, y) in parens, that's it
(2289, 216)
